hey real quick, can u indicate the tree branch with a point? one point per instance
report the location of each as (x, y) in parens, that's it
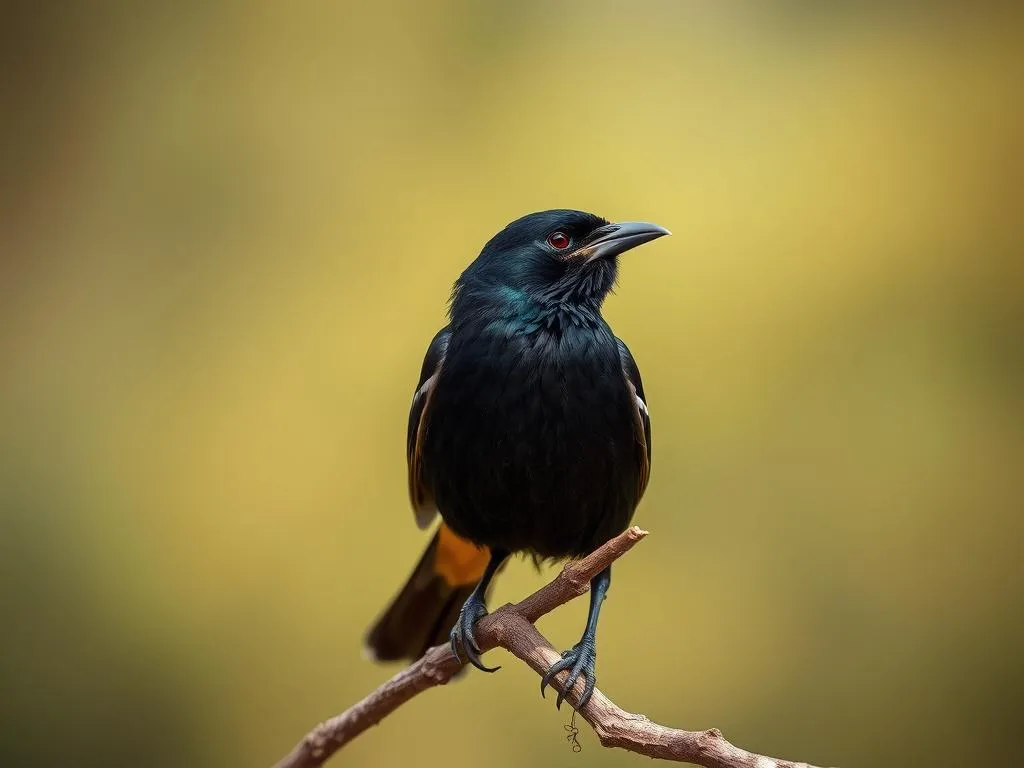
(512, 627)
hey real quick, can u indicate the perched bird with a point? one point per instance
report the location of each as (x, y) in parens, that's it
(528, 432)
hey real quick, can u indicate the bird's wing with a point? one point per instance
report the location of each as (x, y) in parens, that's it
(421, 497)
(641, 416)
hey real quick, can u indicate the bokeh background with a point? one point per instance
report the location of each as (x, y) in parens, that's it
(228, 231)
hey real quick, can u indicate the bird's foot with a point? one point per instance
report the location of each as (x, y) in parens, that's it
(462, 633)
(580, 659)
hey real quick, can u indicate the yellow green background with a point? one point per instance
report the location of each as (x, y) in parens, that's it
(228, 231)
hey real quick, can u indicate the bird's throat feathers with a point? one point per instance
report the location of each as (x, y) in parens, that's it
(572, 300)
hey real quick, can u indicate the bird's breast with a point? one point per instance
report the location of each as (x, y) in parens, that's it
(529, 442)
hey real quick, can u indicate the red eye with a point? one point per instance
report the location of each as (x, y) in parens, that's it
(558, 240)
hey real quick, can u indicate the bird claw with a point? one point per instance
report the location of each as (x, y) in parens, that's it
(580, 659)
(462, 633)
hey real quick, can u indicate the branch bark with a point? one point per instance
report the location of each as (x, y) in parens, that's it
(512, 627)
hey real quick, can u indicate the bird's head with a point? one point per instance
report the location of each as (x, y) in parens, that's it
(557, 257)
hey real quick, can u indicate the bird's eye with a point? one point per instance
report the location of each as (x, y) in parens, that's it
(558, 240)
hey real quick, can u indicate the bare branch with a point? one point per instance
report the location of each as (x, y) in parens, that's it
(512, 627)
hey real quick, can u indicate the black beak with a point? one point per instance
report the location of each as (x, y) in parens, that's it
(618, 238)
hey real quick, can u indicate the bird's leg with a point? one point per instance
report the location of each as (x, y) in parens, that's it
(582, 657)
(472, 611)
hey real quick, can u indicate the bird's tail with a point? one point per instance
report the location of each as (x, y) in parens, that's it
(425, 609)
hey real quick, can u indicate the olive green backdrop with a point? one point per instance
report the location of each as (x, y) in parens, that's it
(228, 231)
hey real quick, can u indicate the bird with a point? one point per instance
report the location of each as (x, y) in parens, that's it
(529, 433)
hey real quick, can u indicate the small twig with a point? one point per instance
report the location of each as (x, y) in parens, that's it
(512, 627)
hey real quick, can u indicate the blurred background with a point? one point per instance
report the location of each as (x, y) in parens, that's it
(228, 231)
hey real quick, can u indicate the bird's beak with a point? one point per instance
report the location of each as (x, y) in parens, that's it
(614, 239)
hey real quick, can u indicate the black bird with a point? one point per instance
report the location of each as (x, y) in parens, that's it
(528, 432)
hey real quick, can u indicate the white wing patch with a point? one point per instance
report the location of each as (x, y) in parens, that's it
(427, 385)
(642, 404)
(423, 505)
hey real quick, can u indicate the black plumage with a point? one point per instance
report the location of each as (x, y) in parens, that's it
(529, 430)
